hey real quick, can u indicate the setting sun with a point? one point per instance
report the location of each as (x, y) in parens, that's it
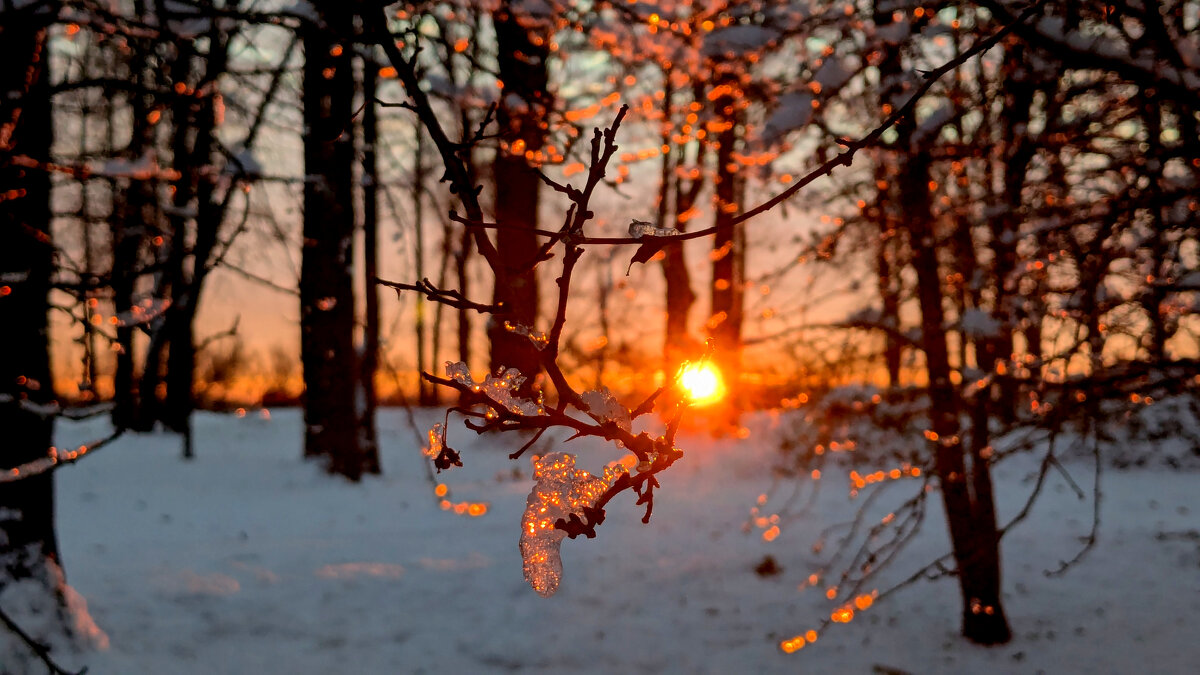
(702, 383)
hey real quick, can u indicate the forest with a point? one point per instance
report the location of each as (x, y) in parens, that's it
(325, 326)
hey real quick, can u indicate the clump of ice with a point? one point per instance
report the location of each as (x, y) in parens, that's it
(436, 433)
(498, 387)
(604, 407)
(537, 337)
(561, 490)
(640, 228)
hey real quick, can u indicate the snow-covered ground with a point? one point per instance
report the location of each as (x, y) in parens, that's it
(248, 560)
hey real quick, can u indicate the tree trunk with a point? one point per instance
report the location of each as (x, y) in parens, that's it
(370, 358)
(210, 213)
(134, 209)
(524, 99)
(971, 518)
(462, 261)
(1020, 148)
(326, 289)
(728, 276)
(425, 395)
(28, 545)
(887, 259)
(677, 343)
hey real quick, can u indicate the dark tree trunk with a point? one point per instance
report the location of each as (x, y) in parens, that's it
(134, 210)
(370, 358)
(971, 517)
(425, 394)
(462, 262)
(1020, 148)
(677, 343)
(28, 546)
(522, 55)
(151, 406)
(210, 213)
(887, 259)
(728, 277)
(326, 289)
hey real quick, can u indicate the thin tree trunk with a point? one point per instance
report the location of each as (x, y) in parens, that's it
(185, 300)
(424, 391)
(887, 259)
(677, 344)
(370, 358)
(326, 289)
(1020, 89)
(728, 277)
(522, 62)
(973, 535)
(28, 544)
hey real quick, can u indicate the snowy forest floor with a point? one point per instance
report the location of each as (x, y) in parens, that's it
(249, 560)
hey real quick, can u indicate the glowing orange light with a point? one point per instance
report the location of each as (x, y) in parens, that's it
(702, 383)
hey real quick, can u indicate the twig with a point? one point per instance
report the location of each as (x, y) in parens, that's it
(450, 297)
(41, 650)
(55, 459)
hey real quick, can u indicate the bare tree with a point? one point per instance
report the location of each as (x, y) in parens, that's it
(523, 48)
(332, 409)
(28, 543)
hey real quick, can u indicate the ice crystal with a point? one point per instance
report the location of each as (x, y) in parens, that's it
(498, 387)
(604, 407)
(435, 440)
(561, 490)
(537, 337)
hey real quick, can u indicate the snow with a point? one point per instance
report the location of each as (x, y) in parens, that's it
(29, 602)
(978, 323)
(145, 167)
(793, 112)
(894, 33)
(244, 164)
(834, 73)
(738, 39)
(249, 560)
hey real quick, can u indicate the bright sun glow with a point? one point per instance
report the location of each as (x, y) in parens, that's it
(702, 382)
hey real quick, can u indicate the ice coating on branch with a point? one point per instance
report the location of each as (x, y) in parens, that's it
(436, 432)
(498, 387)
(640, 228)
(561, 490)
(604, 407)
(537, 337)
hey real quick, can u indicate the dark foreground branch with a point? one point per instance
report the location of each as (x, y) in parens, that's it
(41, 650)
